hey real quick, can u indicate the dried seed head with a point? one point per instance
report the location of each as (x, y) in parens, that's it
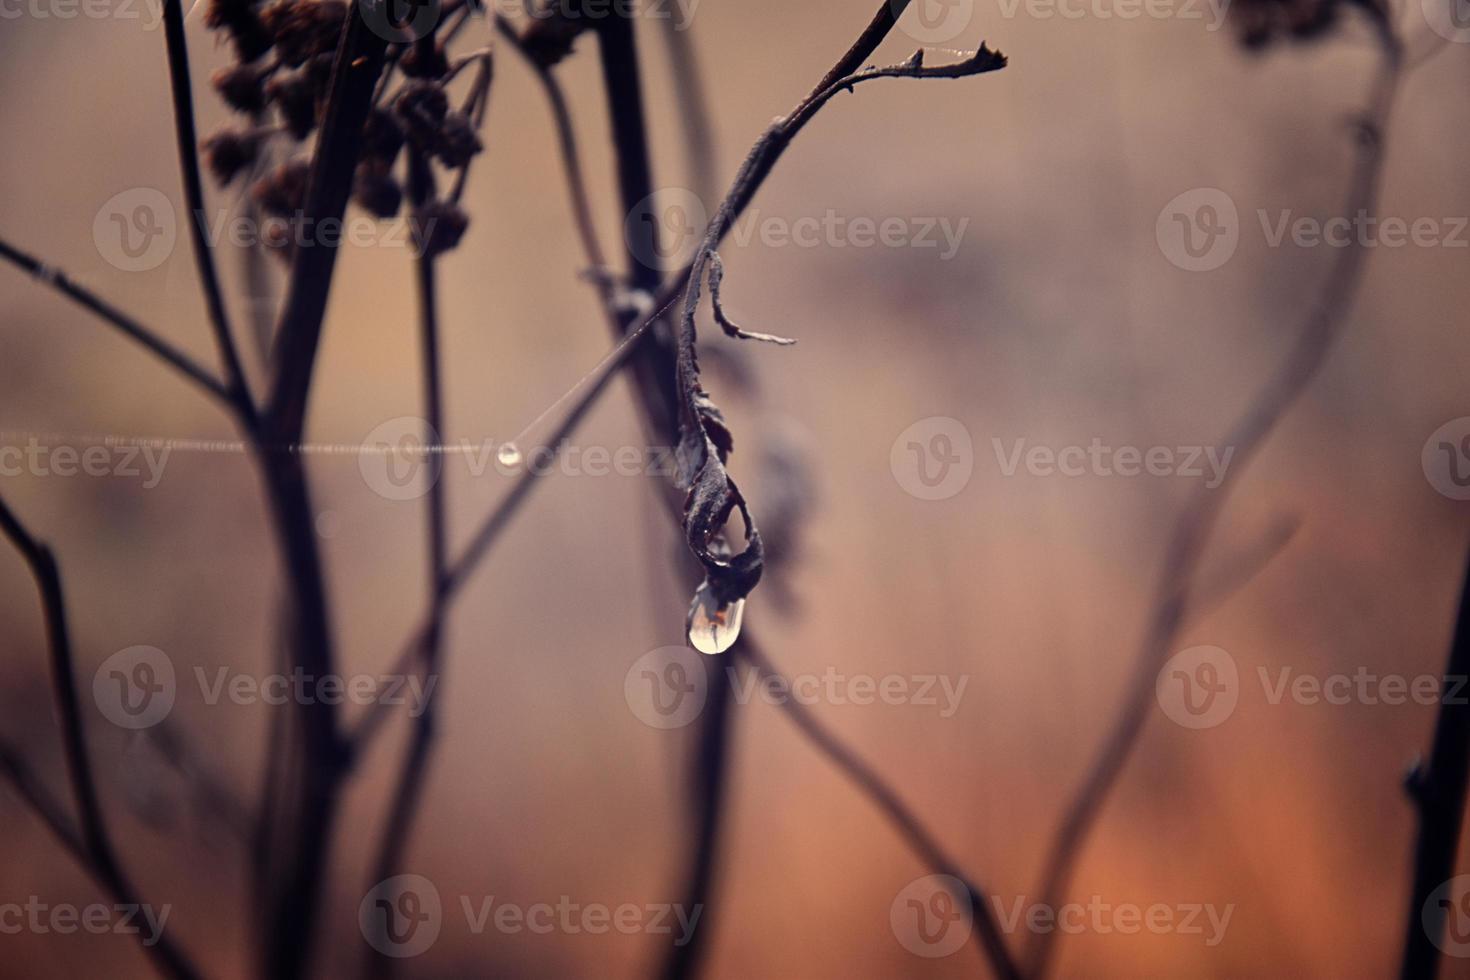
(553, 28)
(225, 13)
(377, 191)
(303, 28)
(457, 142)
(228, 153)
(242, 86)
(382, 138)
(294, 97)
(422, 107)
(282, 192)
(1259, 23)
(438, 226)
(424, 59)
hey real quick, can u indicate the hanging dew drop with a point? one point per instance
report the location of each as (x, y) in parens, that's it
(509, 455)
(714, 628)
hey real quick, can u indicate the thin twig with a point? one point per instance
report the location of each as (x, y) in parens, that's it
(694, 115)
(1438, 790)
(571, 159)
(310, 804)
(1174, 599)
(93, 837)
(129, 327)
(355, 74)
(188, 146)
(903, 818)
(407, 793)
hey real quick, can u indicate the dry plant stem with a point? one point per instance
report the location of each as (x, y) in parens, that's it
(35, 794)
(310, 800)
(484, 540)
(358, 64)
(708, 783)
(1174, 599)
(571, 159)
(653, 371)
(188, 144)
(910, 827)
(408, 792)
(694, 114)
(93, 837)
(1437, 790)
(872, 785)
(125, 324)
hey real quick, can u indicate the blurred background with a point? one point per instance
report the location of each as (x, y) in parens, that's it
(1058, 319)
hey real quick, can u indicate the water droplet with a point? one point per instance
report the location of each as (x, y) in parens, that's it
(509, 455)
(714, 628)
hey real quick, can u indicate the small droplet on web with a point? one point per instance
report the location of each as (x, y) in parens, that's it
(714, 628)
(509, 455)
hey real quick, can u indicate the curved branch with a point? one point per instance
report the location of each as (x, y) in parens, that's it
(1175, 600)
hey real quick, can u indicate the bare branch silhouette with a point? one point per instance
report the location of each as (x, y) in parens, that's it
(1174, 598)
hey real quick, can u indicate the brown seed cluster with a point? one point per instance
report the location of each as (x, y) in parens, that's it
(284, 55)
(1260, 23)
